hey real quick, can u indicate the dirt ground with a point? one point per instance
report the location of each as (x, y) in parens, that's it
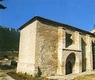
(86, 77)
(4, 76)
(81, 76)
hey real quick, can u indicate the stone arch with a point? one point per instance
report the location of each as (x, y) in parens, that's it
(70, 62)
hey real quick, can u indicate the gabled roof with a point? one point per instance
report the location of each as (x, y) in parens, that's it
(51, 22)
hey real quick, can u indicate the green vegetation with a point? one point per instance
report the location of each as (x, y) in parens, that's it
(9, 40)
(86, 77)
(25, 76)
(7, 67)
(10, 54)
(2, 6)
(9, 43)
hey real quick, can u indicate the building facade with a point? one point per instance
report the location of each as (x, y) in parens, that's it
(51, 48)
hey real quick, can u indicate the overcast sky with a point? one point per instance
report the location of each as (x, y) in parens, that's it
(78, 13)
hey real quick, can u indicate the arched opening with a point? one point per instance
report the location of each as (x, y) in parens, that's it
(70, 61)
(83, 46)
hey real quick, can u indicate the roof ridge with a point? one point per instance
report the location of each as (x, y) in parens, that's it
(53, 23)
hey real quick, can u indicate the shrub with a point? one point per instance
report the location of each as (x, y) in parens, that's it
(5, 67)
(20, 76)
(14, 64)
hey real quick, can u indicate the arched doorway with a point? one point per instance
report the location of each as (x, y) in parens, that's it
(70, 61)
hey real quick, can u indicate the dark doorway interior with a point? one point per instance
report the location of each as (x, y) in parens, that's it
(93, 54)
(70, 62)
(68, 67)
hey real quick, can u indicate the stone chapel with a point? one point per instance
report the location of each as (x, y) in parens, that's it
(54, 48)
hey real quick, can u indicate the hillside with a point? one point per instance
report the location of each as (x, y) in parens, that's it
(9, 39)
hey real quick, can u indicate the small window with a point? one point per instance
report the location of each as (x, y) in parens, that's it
(69, 40)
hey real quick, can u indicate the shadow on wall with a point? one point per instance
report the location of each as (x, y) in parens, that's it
(83, 46)
(93, 54)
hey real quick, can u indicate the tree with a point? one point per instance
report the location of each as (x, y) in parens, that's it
(2, 6)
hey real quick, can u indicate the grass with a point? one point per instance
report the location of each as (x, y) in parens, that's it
(20, 76)
(25, 76)
(86, 77)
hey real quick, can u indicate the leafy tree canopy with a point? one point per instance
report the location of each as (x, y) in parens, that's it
(2, 6)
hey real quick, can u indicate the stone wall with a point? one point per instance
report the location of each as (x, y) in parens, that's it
(26, 62)
(43, 47)
(46, 49)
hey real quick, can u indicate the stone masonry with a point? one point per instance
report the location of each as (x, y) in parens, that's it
(49, 48)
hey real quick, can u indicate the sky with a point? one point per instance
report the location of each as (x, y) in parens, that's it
(77, 13)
